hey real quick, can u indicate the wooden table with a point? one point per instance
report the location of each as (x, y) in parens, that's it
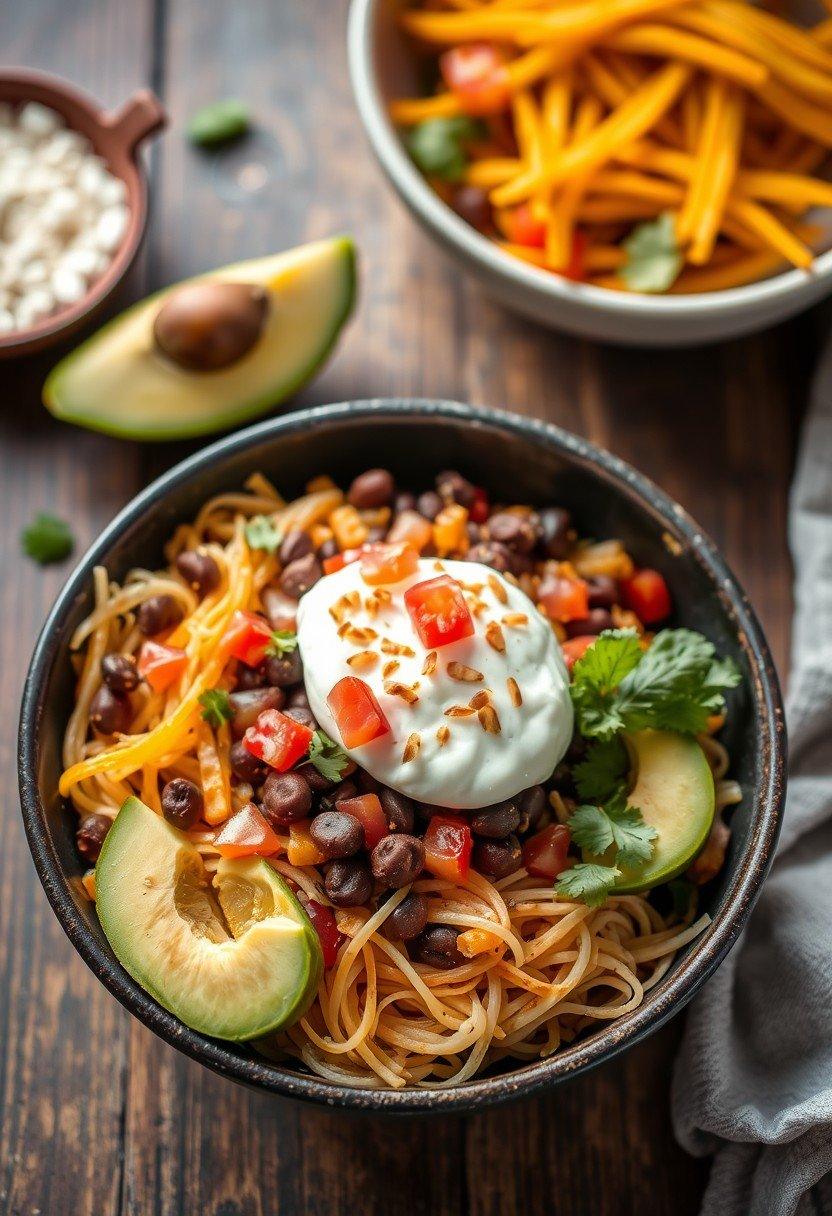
(98, 1116)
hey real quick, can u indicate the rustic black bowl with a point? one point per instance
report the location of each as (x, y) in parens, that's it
(515, 458)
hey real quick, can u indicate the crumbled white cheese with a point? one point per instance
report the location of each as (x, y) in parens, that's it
(63, 215)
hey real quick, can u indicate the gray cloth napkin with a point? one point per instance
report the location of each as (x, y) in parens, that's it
(753, 1081)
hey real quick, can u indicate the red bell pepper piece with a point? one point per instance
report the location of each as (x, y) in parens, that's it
(331, 565)
(246, 833)
(439, 612)
(646, 594)
(523, 228)
(476, 74)
(247, 637)
(357, 713)
(326, 927)
(544, 855)
(388, 563)
(277, 739)
(575, 648)
(564, 599)
(369, 812)
(448, 844)
(161, 665)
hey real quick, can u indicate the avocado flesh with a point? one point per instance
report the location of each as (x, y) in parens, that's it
(235, 958)
(119, 382)
(674, 790)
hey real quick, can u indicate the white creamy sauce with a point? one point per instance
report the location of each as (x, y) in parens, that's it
(473, 768)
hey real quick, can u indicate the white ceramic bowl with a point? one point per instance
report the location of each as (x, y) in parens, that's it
(382, 68)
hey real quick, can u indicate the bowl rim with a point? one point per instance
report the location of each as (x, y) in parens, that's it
(447, 226)
(672, 992)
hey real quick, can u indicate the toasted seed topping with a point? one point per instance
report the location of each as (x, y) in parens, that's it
(514, 693)
(429, 665)
(383, 595)
(389, 667)
(489, 720)
(443, 734)
(358, 637)
(397, 648)
(407, 692)
(498, 589)
(411, 747)
(459, 711)
(494, 637)
(363, 660)
(483, 697)
(515, 619)
(438, 566)
(459, 671)
(474, 588)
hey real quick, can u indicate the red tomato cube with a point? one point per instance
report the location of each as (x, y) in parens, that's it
(246, 833)
(476, 73)
(479, 509)
(522, 228)
(544, 855)
(369, 812)
(326, 927)
(439, 612)
(357, 713)
(247, 637)
(646, 594)
(448, 845)
(161, 665)
(388, 563)
(331, 565)
(564, 599)
(277, 739)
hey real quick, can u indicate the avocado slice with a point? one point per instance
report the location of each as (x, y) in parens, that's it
(674, 790)
(235, 958)
(120, 382)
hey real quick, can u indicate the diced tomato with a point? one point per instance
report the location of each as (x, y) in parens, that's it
(479, 508)
(476, 74)
(411, 527)
(277, 739)
(161, 665)
(357, 713)
(388, 563)
(246, 833)
(564, 599)
(448, 844)
(523, 228)
(438, 611)
(646, 594)
(326, 927)
(337, 562)
(576, 266)
(302, 850)
(247, 637)
(544, 855)
(369, 812)
(575, 648)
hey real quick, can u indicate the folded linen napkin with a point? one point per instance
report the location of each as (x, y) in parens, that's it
(753, 1081)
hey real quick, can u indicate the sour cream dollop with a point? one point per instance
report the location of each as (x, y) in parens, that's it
(473, 767)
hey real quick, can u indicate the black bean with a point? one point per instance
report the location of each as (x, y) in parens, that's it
(497, 858)
(89, 836)
(367, 783)
(533, 802)
(250, 677)
(516, 532)
(301, 714)
(409, 918)
(295, 544)
(427, 810)
(297, 696)
(404, 501)
(199, 570)
(249, 705)
(471, 203)
(157, 613)
(286, 798)
(436, 946)
(498, 821)
(110, 711)
(120, 673)
(300, 575)
(398, 810)
(245, 766)
(337, 834)
(597, 621)
(279, 609)
(491, 553)
(348, 883)
(602, 591)
(429, 504)
(372, 489)
(328, 548)
(286, 671)
(474, 532)
(397, 859)
(452, 486)
(316, 781)
(338, 793)
(555, 524)
(182, 803)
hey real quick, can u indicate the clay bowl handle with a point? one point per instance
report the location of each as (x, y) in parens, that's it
(141, 115)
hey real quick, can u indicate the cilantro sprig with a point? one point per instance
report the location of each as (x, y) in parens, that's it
(588, 882)
(47, 539)
(216, 706)
(282, 642)
(438, 145)
(261, 533)
(328, 757)
(654, 258)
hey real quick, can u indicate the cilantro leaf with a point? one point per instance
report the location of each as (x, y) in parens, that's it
(47, 539)
(587, 882)
(677, 685)
(283, 641)
(262, 534)
(631, 835)
(591, 829)
(653, 256)
(600, 772)
(595, 678)
(216, 707)
(436, 145)
(328, 757)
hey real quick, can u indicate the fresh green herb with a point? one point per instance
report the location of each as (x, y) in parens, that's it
(437, 145)
(598, 828)
(588, 882)
(219, 123)
(653, 256)
(47, 539)
(327, 756)
(283, 641)
(676, 684)
(216, 707)
(262, 534)
(599, 774)
(681, 892)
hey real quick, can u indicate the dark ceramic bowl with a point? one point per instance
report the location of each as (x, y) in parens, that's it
(511, 456)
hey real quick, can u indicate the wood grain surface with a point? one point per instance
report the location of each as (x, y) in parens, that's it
(97, 1116)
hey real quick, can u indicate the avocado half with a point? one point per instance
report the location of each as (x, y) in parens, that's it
(119, 382)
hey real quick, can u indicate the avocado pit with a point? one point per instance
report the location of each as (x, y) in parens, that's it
(207, 326)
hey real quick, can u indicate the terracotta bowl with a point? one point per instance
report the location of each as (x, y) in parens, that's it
(531, 462)
(116, 138)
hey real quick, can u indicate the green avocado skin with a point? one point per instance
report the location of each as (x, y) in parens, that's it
(212, 421)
